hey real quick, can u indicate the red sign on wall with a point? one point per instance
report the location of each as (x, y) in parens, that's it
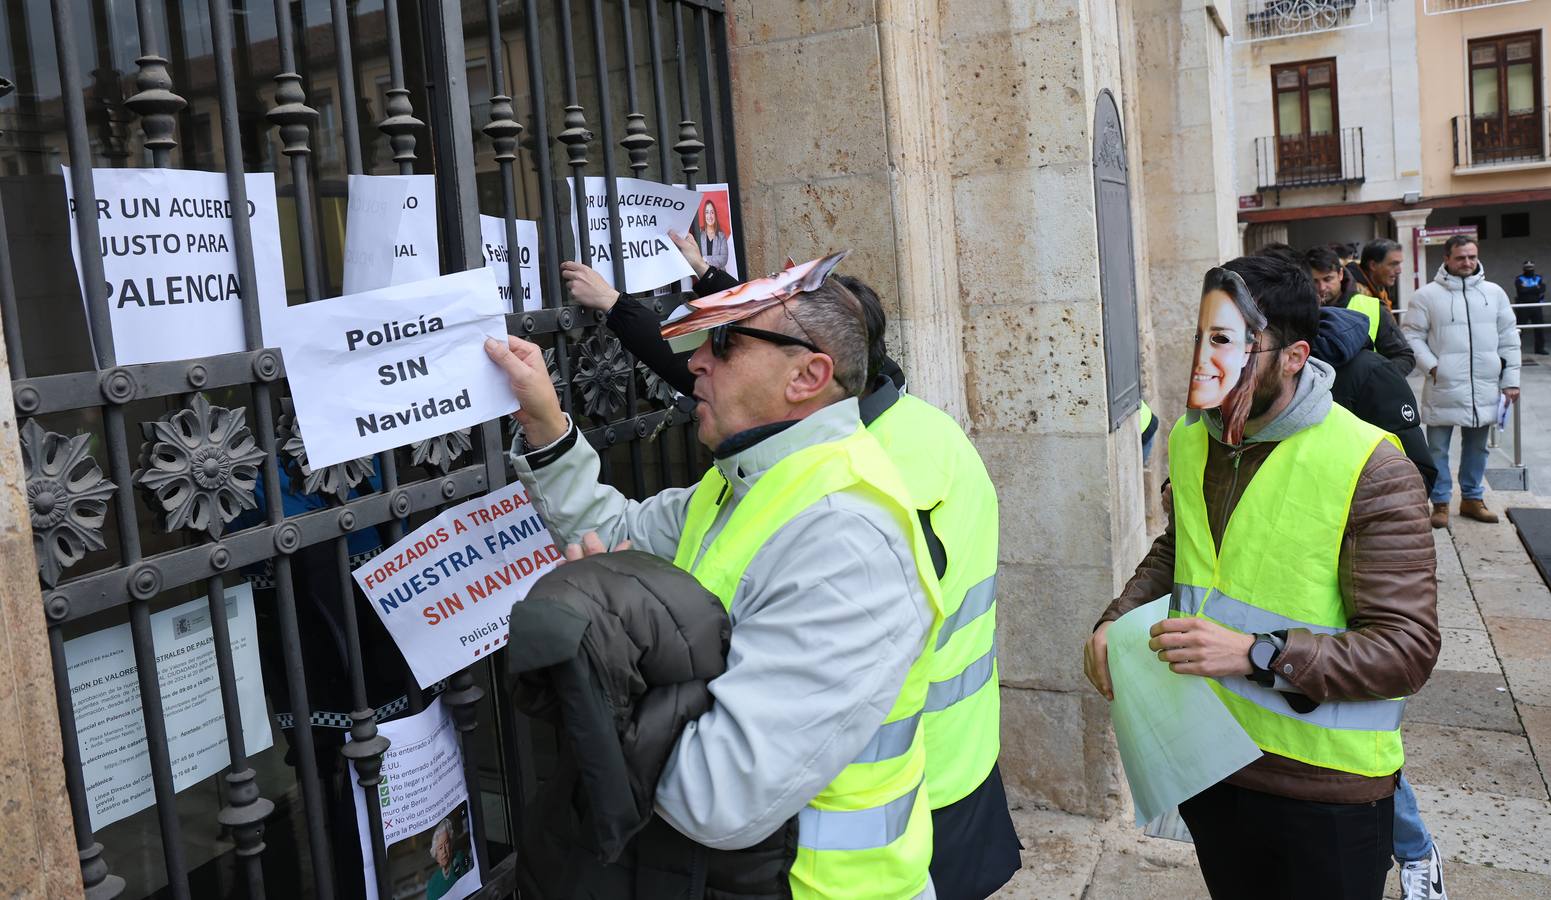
(1251, 201)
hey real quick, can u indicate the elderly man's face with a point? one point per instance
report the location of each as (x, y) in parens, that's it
(1386, 272)
(747, 388)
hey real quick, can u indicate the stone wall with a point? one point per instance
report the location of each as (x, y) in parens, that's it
(950, 144)
(37, 843)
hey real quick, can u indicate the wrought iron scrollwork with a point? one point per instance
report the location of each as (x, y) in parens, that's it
(67, 497)
(601, 372)
(332, 481)
(200, 464)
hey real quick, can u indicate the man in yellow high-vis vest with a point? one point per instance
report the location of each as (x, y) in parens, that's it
(806, 533)
(1302, 578)
(975, 845)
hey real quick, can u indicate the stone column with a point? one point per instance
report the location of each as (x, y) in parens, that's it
(1185, 154)
(1408, 223)
(37, 838)
(840, 145)
(951, 145)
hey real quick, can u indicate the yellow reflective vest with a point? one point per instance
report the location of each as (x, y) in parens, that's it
(1370, 307)
(1278, 570)
(868, 833)
(949, 485)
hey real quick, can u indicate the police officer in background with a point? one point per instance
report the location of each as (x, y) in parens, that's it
(975, 847)
(1530, 287)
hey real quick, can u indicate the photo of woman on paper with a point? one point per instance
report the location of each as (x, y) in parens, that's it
(1223, 376)
(713, 235)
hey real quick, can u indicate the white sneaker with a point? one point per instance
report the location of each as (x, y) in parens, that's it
(1422, 879)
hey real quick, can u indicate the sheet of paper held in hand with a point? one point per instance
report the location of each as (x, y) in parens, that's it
(1176, 738)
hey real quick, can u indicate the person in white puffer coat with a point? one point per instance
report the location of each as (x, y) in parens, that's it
(1463, 331)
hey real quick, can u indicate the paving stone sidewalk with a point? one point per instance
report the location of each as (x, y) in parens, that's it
(1478, 747)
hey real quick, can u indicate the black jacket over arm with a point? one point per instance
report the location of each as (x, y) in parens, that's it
(616, 651)
(640, 331)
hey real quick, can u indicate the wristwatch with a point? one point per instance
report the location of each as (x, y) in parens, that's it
(1261, 653)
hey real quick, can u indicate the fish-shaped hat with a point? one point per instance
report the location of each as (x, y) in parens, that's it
(690, 324)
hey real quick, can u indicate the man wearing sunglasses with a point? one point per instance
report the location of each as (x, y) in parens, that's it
(806, 533)
(975, 846)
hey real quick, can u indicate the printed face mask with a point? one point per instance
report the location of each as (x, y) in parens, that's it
(1222, 376)
(689, 325)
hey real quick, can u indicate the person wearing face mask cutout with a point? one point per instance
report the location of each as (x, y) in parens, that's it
(1301, 570)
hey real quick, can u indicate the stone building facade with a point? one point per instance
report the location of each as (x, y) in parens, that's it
(951, 145)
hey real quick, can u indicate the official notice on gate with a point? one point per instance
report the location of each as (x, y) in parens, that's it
(445, 592)
(105, 690)
(170, 260)
(383, 368)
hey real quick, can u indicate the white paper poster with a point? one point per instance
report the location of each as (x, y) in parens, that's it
(1176, 739)
(390, 231)
(170, 260)
(425, 810)
(384, 368)
(110, 728)
(647, 212)
(492, 231)
(445, 592)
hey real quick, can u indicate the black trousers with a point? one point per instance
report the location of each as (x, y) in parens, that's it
(1259, 845)
(975, 849)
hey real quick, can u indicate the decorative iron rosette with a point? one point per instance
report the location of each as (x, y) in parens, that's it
(602, 373)
(66, 496)
(331, 481)
(441, 450)
(201, 466)
(657, 390)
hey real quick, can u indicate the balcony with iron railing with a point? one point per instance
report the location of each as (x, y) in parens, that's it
(1271, 19)
(1442, 7)
(1284, 162)
(1497, 142)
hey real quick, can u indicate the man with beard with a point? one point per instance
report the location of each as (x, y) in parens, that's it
(1318, 600)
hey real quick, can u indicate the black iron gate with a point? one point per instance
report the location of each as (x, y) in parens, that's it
(151, 485)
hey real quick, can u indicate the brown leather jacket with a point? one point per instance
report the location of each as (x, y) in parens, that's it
(1389, 585)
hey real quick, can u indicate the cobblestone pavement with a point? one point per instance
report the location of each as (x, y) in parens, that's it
(1478, 746)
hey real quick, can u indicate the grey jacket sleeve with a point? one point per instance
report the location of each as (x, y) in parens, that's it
(1391, 344)
(1415, 327)
(571, 500)
(826, 623)
(1507, 342)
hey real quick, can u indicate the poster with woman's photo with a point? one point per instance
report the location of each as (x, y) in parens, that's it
(714, 224)
(425, 811)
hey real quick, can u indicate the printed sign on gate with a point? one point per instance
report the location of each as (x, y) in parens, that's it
(647, 212)
(445, 592)
(381, 369)
(170, 260)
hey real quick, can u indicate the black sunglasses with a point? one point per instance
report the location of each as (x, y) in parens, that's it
(721, 333)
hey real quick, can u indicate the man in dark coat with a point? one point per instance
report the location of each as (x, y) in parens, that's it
(1369, 387)
(1390, 343)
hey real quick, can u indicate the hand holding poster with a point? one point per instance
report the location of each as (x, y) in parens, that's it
(445, 592)
(378, 370)
(425, 810)
(170, 260)
(390, 231)
(647, 212)
(492, 231)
